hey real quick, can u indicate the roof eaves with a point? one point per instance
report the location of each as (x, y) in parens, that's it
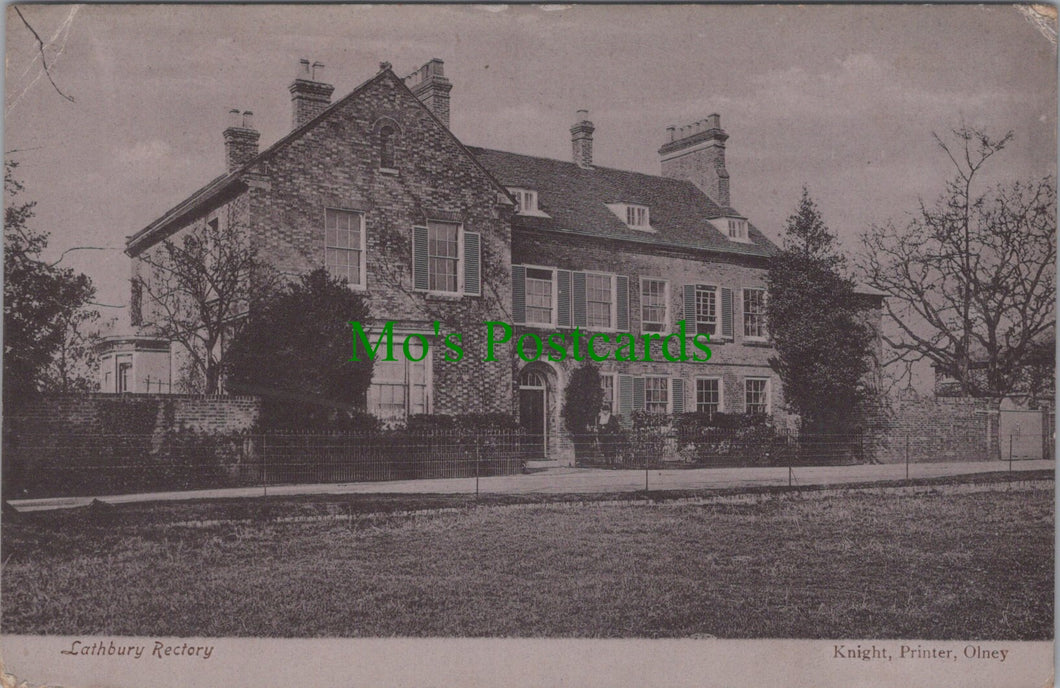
(743, 249)
(212, 190)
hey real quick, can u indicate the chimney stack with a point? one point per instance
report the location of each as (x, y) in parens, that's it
(309, 95)
(581, 140)
(241, 139)
(428, 83)
(696, 153)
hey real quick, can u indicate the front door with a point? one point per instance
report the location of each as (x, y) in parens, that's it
(532, 413)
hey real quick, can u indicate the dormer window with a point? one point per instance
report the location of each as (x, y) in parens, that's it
(635, 216)
(526, 201)
(737, 228)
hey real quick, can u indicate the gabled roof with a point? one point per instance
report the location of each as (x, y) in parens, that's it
(233, 181)
(575, 199)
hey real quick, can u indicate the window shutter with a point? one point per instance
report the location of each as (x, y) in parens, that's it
(726, 313)
(638, 394)
(578, 300)
(677, 388)
(518, 293)
(625, 396)
(622, 303)
(690, 309)
(472, 264)
(419, 259)
(563, 297)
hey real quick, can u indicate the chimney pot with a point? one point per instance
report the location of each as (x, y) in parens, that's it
(428, 83)
(699, 159)
(582, 140)
(309, 96)
(241, 139)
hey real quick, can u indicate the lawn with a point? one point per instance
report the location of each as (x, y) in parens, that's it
(947, 564)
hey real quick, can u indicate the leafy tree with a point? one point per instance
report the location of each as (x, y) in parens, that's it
(197, 288)
(822, 341)
(972, 279)
(582, 400)
(40, 299)
(294, 350)
(75, 367)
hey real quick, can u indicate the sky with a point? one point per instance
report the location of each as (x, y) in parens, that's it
(841, 99)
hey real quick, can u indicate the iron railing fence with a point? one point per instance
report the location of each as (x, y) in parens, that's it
(700, 447)
(764, 445)
(301, 457)
(88, 464)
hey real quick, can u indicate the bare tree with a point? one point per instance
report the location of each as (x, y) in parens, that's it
(971, 279)
(199, 286)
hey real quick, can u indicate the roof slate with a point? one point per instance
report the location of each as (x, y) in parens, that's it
(575, 199)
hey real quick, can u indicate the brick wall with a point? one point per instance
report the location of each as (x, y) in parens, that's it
(70, 444)
(938, 429)
(336, 165)
(84, 413)
(731, 361)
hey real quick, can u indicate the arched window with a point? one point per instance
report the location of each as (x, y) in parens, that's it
(386, 147)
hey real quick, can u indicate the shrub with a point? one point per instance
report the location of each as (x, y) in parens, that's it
(189, 459)
(582, 400)
(731, 439)
(294, 351)
(465, 423)
(650, 439)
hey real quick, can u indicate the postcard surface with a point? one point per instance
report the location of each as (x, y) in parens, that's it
(439, 345)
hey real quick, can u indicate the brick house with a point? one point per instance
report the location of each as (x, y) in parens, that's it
(362, 185)
(639, 253)
(376, 188)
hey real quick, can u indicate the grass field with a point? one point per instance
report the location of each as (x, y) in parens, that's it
(941, 565)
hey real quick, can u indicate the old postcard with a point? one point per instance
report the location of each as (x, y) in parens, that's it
(450, 345)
